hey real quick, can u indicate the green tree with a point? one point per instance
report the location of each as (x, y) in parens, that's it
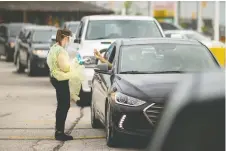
(138, 13)
(127, 6)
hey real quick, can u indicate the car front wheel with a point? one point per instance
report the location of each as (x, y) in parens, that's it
(112, 136)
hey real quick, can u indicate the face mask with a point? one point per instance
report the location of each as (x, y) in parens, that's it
(66, 45)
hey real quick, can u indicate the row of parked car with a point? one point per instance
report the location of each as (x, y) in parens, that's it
(139, 90)
(27, 45)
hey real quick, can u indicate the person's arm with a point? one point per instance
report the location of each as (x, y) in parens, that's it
(105, 61)
(63, 62)
(102, 59)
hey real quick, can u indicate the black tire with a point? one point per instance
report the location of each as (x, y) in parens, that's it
(95, 122)
(31, 70)
(19, 67)
(85, 99)
(112, 136)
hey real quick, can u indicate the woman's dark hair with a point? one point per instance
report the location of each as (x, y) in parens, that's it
(61, 33)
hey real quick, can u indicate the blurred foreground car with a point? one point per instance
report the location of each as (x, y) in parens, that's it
(34, 49)
(99, 31)
(8, 34)
(216, 47)
(194, 117)
(128, 98)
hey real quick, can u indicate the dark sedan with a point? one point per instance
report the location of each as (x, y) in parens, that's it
(128, 98)
(8, 34)
(33, 49)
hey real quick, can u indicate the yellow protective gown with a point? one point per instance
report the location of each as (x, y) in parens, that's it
(62, 69)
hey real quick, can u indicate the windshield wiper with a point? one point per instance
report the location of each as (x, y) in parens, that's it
(134, 72)
(100, 38)
(150, 72)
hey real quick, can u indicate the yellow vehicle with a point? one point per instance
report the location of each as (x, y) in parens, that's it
(216, 47)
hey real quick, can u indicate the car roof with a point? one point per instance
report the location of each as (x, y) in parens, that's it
(15, 24)
(40, 27)
(143, 41)
(179, 31)
(118, 17)
(72, 22)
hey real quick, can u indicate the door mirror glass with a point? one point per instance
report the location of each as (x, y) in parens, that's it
(77, 40)
(102, 68)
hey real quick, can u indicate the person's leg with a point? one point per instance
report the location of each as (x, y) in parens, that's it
(63, 105)
(63, 97)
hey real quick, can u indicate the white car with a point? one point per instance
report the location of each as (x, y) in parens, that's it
(99, 31)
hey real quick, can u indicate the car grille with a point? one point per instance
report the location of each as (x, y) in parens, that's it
(152, 112)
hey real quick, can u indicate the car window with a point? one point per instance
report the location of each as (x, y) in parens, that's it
(3, 31)
(113, 29)
(43, 35)
(14, 30)
(168, 26)
(167, 57)
(112, 54)
(108, 52)
(80, 30)
(73, 27)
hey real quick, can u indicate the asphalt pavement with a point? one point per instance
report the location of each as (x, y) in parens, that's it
(27, 117)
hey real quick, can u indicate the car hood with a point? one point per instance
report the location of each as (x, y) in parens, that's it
(42, 46)
(148, 87)
(88, 46)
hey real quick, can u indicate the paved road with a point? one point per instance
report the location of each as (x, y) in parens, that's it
(27, 117)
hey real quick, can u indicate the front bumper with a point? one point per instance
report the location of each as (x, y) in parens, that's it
(39, 62)
(131, 120)
(86, 84)
(10, 51)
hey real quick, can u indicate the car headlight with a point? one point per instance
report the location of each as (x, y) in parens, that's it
(40, 53)
(11, 44)
(127, 100)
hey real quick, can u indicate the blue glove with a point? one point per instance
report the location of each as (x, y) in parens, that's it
(80, 61)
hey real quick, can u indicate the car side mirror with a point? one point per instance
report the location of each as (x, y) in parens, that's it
(102, 68)
(77, 40)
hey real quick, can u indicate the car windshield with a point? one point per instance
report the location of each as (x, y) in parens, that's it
(197, 36)
(73, 28)
(14, 30)
(164, 57)
(43, 35)
(113, 29)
